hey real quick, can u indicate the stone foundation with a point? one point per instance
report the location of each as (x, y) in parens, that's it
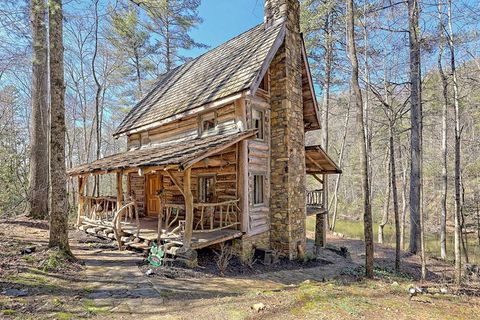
(245, 246)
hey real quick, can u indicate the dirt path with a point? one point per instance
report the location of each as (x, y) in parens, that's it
(110, 285)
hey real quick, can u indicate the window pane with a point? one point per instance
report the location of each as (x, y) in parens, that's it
(257, 117)
(258, 185)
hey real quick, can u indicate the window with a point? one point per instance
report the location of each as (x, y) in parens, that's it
(258, 189)
(206, 189)
(208, 123)
(264, 84)
(258, 123)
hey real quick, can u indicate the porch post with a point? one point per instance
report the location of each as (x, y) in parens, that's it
(81, 200)
(119, 190)
(241, 115)
(188, 208)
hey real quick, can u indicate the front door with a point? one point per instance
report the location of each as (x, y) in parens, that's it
(153, 202)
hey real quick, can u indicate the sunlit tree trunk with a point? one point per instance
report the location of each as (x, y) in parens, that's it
(443, 217)
(367, 216)
(38, 179)
(457, 214)
(58, 177)
(416, 124)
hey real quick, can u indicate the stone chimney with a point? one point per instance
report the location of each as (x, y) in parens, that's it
(287, 201)
(277, 11)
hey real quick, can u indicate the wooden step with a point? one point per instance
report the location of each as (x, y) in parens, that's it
(138, 246)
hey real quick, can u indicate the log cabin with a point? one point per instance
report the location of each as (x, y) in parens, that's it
(216, 151)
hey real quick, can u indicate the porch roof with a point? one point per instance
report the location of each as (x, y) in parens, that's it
(182, 154)
(317, 161)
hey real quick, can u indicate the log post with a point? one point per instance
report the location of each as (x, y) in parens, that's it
(81, 199)
(119, 190)
(242, 178)
(188, 208)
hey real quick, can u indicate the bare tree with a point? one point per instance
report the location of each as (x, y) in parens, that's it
(38, 187)
(416, 125)
(367, 216)
(443, 219)
(458, 204)
(58, 177)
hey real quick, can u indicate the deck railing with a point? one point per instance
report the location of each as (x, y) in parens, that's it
(316, 198)
(216, 216)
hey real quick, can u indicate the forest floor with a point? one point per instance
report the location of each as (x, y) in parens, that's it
(108, 284)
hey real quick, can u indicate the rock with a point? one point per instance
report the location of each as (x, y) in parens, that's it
(443, 290)
(149, 272)
(258, 307)
(15, 293)
(137, 240)
(27, 250)
(395, 284)
(99, 295)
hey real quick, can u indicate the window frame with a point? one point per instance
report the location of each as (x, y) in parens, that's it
(207, 117)
(262, 121)
(254, 189)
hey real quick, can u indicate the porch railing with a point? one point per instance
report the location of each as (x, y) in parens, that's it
(216, 216)
(316, 198)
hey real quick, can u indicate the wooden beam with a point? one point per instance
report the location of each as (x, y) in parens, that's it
(119, 190)
(187, 191)
(317, 178)
(177, 183)
(314, 162)
(81, 199)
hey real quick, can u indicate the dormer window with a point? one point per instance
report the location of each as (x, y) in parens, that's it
(208, 123)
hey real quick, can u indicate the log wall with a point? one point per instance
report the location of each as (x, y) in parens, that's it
(259, 164)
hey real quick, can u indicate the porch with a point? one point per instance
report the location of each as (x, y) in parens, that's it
(212, 223)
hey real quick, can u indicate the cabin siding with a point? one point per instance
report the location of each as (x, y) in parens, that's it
(137, 187)
(184, 129)
(259, 164)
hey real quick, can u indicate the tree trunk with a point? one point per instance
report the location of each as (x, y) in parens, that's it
(340, 162)
(58, 177)
(367, 217)
(386, 204)
(443, 218)
(326, 97)
(98, 93)
(404, 197)
(393, 174)
(416, 124)
(38, 180)
(457, 249)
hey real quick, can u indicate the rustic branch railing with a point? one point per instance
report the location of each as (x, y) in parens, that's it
(127, 211)
(100, 208)
(315, 198)
(219, 216)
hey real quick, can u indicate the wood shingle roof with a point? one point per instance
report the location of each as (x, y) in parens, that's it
(182, 154)
(226, 70)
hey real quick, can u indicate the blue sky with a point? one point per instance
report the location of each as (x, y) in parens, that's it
(225, 19)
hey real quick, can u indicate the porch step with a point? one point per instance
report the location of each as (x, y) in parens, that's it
(137, 246)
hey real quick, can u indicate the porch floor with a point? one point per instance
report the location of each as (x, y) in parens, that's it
(148, 233)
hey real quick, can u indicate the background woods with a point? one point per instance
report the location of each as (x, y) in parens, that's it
(416, 89)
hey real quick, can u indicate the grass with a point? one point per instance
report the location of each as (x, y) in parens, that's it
(374, 299)
(354, 229)
(93, 309)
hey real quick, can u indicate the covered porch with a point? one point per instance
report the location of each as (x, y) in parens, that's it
(165, 194)
(319, 165)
